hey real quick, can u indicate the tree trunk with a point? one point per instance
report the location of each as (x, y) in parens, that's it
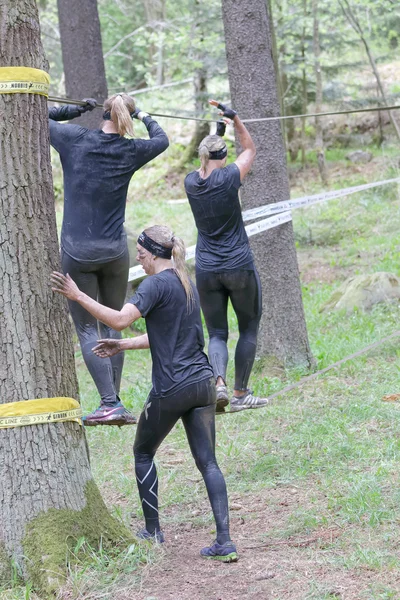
(283, 335)
(155, 11)
(304, 94)
(82, 55)
(47, 494)
(202, 129)
(319, 140)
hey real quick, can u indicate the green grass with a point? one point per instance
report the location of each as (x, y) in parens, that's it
(332, 436)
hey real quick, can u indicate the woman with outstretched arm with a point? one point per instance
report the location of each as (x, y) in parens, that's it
(183, 384)
(225, 267)
(98, 166)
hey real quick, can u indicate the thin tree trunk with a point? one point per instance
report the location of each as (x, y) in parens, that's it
(356, 25)
(283, 335)
(319, 140)
(82, 54)
(202, 129)
(47, 494)
(304, 86)
(155, 11)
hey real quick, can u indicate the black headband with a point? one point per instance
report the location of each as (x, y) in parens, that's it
(107, 115)
(153, 247)
(218, 154)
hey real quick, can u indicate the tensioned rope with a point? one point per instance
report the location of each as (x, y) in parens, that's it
(303, 380)
(279, 118)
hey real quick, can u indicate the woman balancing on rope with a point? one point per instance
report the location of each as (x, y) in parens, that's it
(183, 384)
(98, 165)
(224, 261)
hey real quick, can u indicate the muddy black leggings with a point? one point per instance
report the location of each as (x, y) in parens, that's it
(195, 405)
(243, 288)
(105, 282)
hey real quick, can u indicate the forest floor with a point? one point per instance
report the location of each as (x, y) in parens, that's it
(313, 479)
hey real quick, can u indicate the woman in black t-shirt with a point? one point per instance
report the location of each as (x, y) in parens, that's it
(183, 384)
(224, 261)
(98, 166)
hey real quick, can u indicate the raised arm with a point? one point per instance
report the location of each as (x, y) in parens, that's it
(245, 159)
(68, 112)
(117, 319)
(158, 142)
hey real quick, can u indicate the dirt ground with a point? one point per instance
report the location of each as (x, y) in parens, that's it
(299, 567)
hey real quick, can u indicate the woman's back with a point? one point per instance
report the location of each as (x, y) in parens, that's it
(175, 332)
(222, 243)
(97, 170)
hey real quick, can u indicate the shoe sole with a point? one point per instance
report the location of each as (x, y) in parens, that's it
(229, 558)
(244, 407)
(221, 403)
(119, 422)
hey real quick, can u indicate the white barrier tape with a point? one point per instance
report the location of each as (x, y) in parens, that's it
(138, 272)
(269, 209)
(283, 208)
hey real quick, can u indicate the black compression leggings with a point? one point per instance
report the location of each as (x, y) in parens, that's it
(243, 288)
(195, 405)
(105, 282)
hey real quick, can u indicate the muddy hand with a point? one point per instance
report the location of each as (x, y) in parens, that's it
(106, 348)
(63, 284)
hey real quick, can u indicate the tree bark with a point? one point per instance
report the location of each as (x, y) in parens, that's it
(319, 139)
(283, 335)
(82, 54)
(44, 469)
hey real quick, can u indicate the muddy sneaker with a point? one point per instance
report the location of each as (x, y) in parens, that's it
(247, 401)
(222, 398)
(109, 415)
(225, 552)
(156, 536)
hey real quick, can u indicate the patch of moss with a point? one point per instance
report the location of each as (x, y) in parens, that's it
(5, 566)
(50, 536)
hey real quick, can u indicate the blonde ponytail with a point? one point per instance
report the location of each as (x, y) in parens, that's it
(164, 236)
(211, 143)
(120, 107)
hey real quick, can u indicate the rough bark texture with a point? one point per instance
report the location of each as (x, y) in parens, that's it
(283, 334)
(42, 467)
(82, 54)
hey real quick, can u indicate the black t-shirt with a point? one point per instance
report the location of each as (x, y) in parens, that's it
(175, 335)
(222, 243)
(97, 169)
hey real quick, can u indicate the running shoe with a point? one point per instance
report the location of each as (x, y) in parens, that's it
(247, 401)
(156, 536)
(222, 398)
(109, 415)
(225, 552)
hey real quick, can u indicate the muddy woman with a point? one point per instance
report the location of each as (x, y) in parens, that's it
(97, 166)
(183, 383)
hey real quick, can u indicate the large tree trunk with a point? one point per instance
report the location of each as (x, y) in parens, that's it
(283, 334)
(47, 494)
(82, 54)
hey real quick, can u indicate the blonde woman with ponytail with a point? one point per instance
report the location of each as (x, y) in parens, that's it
(98, 166)
(225, 268)
(183, 383)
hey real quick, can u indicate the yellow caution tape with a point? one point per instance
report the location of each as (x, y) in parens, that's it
(36, 412)
(24, 80)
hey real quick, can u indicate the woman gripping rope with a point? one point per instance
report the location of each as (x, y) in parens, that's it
(225, 267)
(183, 384)
(98, 166)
